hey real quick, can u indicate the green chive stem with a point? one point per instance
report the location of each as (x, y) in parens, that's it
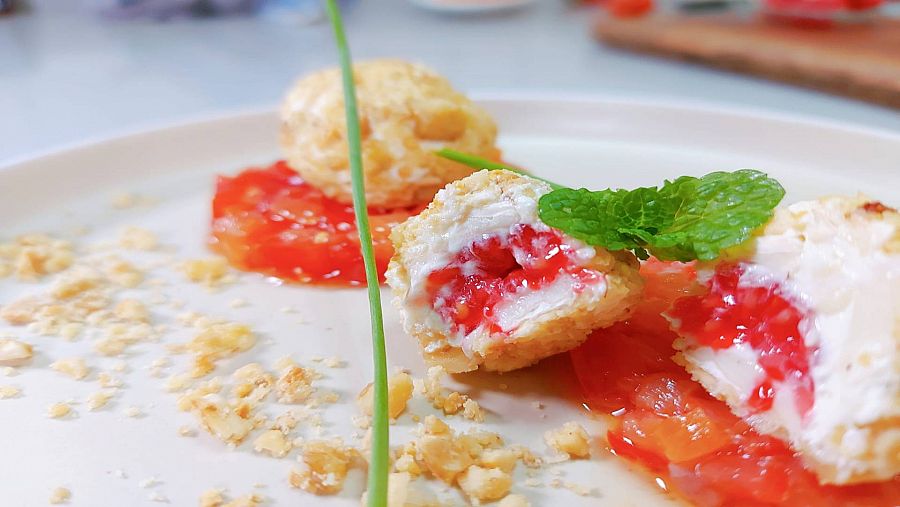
(378, 462)
(477, 162)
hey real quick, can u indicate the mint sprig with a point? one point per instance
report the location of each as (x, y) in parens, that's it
(379, 461)
(685, 219)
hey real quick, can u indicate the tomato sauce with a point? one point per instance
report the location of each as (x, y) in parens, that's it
(269, 220)
(666, 423)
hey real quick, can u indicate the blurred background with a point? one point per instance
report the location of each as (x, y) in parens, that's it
(77, 69)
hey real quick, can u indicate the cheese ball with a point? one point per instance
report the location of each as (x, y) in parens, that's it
(406, 113)
(481, 282)
(800, 334)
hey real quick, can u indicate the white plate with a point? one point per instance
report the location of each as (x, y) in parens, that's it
(586, 142)
(470, 6)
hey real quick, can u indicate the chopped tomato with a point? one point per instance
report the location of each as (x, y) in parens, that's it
(268, 219)
(664, 421)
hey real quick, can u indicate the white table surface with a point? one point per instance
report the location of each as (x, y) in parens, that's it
(67, 75)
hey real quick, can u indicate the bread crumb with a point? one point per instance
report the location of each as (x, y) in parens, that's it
(400, 390)
(14, 352)
(217, 341)
(108, 381)
(229, 424)
(158, 497)
(514, 501)
(323, 467)
(211, 498)
(131, 310)
(7, 392)
(32, 256)
(132, 411)
(473, 411)
(137, 238)
(503, 459)
(485, 484)
(251, 500)
(272, 442)
(294, 385)
(149, 482)
(60, 495)
(58, 410)
(403, 492)
(186, 431)
(99, 400)
(571, 439)
(210, 271)
(74, 367)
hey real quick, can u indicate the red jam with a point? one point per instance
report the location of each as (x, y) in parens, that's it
(269, 220)
(730, 314)
(662, 420)
(467, 291)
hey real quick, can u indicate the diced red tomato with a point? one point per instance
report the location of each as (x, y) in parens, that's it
(664, 421)
(267, 219)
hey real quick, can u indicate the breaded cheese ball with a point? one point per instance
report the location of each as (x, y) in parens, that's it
(406, 113)
(800, 335)
(481, 282)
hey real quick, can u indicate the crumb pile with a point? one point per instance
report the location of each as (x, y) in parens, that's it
(110, 294)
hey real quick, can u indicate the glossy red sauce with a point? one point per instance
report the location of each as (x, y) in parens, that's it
(664, 422)
(731, 313)
(467, 291)
(267, 219)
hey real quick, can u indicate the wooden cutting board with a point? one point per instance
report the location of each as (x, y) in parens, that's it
(861, 61)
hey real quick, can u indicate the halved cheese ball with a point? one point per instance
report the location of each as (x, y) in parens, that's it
(800, 334)
(482, 282)
(406, 113)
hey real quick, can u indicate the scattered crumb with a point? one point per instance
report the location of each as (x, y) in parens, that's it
(186, 431)
(294, 385)
(210, 271)
(237, 303)
(400, 390)
(14, 352)
(30, 257)
(74, 367)
(60, 495)
(229, 424)
(137, 238)
(485, 484)
(58, 410)
(571, 439)
(7, 392)
(323, 467)
(99, 399)
(149, 482)
(274, 443)
(211, 498)
(218, 341)
(156, 496)
(514, 501)
(133, 411)
(334, 362)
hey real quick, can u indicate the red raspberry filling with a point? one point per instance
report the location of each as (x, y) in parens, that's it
(467, 291)
(730, 313)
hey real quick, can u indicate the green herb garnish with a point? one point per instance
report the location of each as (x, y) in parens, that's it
(476, 162)
(378, 462)
(686, 219)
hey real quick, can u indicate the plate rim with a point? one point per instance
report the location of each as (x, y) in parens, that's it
(722, 110)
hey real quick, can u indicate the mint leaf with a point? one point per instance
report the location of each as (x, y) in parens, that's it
(685, 219)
